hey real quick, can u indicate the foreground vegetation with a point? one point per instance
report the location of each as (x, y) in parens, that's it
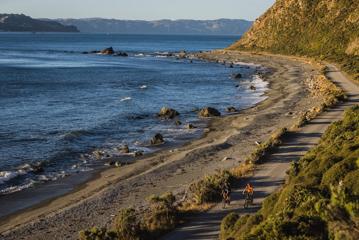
(320, 199)
(326, 30)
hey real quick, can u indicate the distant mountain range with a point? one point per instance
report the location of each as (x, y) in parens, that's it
(100, 25)
(23, 23)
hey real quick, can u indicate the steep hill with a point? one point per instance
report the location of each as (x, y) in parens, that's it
(326, 29)
(100, 25)
(22, 23)
(321, 198)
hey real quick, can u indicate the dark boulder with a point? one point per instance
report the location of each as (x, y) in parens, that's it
(121, 54)
(231, 109)
(209, 112)
(237, 76)
(107, 51)
(178, 122)
(157, 139)
(252, 87)
(167, 113)
(190, 126)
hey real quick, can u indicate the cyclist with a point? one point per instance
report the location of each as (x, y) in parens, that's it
(226, 194)
(248, 192)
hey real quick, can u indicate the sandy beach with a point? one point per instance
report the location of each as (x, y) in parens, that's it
(97, 202)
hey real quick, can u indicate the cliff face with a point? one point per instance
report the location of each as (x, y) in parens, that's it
(22, 23)
(326, 29)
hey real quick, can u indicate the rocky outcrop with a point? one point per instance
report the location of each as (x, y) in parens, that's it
(167, 113)
(209, 112)
(107, 51)
(157, 139)
(231, 109)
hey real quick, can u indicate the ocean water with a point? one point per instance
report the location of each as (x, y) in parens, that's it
(59, 106)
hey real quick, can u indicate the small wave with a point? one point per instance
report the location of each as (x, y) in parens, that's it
(72, 135)
(5, 176)
(143, 87)
(139, 55)
(126, 99)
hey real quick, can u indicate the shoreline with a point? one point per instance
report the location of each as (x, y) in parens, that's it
(221, 138)
(40, 196)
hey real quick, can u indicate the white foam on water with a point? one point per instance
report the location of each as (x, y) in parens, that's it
(126, 99)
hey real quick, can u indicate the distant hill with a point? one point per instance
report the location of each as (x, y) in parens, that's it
(100, 25)
(23, 23)
(321, 28)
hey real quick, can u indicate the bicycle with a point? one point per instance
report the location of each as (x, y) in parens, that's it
(248, 200)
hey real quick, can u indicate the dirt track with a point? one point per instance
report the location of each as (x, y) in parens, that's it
(271, 175)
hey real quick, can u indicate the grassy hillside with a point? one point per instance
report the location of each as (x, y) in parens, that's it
(325, 29)
(321, 197)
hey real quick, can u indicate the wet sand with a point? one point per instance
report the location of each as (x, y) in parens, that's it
(98, 201)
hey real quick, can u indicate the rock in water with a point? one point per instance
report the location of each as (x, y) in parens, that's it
(107, 51)
(237, 76)
(190, 126)
(124, 149)
(209, 112)
(252, 88)
(157, 139)
(178, 122)
(231, 109)
(121, 54)
(167, 113)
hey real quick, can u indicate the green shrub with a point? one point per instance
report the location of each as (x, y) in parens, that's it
(97, 234)
(162, 215)
(127, 225)
(208, 190)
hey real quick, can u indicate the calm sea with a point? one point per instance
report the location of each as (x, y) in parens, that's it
(58, 105)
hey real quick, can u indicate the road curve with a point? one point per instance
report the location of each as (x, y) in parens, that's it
(271, 175)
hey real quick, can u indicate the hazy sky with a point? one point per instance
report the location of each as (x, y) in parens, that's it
(138, 9)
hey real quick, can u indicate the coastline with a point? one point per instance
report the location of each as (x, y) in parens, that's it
(170, 170)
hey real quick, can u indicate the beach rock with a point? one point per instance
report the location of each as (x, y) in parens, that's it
(190, 126)
(124, 149)
(209, 112)
(252, 87)
(121, 54)
(98, 154)
(167, 113)
(237, 76)
(182, 54)
(138, 154)
(178, 122)
(231, 65)
(231, 109)
(107, 51)
(157, 139)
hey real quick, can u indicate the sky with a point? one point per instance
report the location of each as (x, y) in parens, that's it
(138, 9)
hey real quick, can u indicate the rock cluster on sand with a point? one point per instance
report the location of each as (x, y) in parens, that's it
(209, 112)
(157, 139)
(167, 113)
(231, 109)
